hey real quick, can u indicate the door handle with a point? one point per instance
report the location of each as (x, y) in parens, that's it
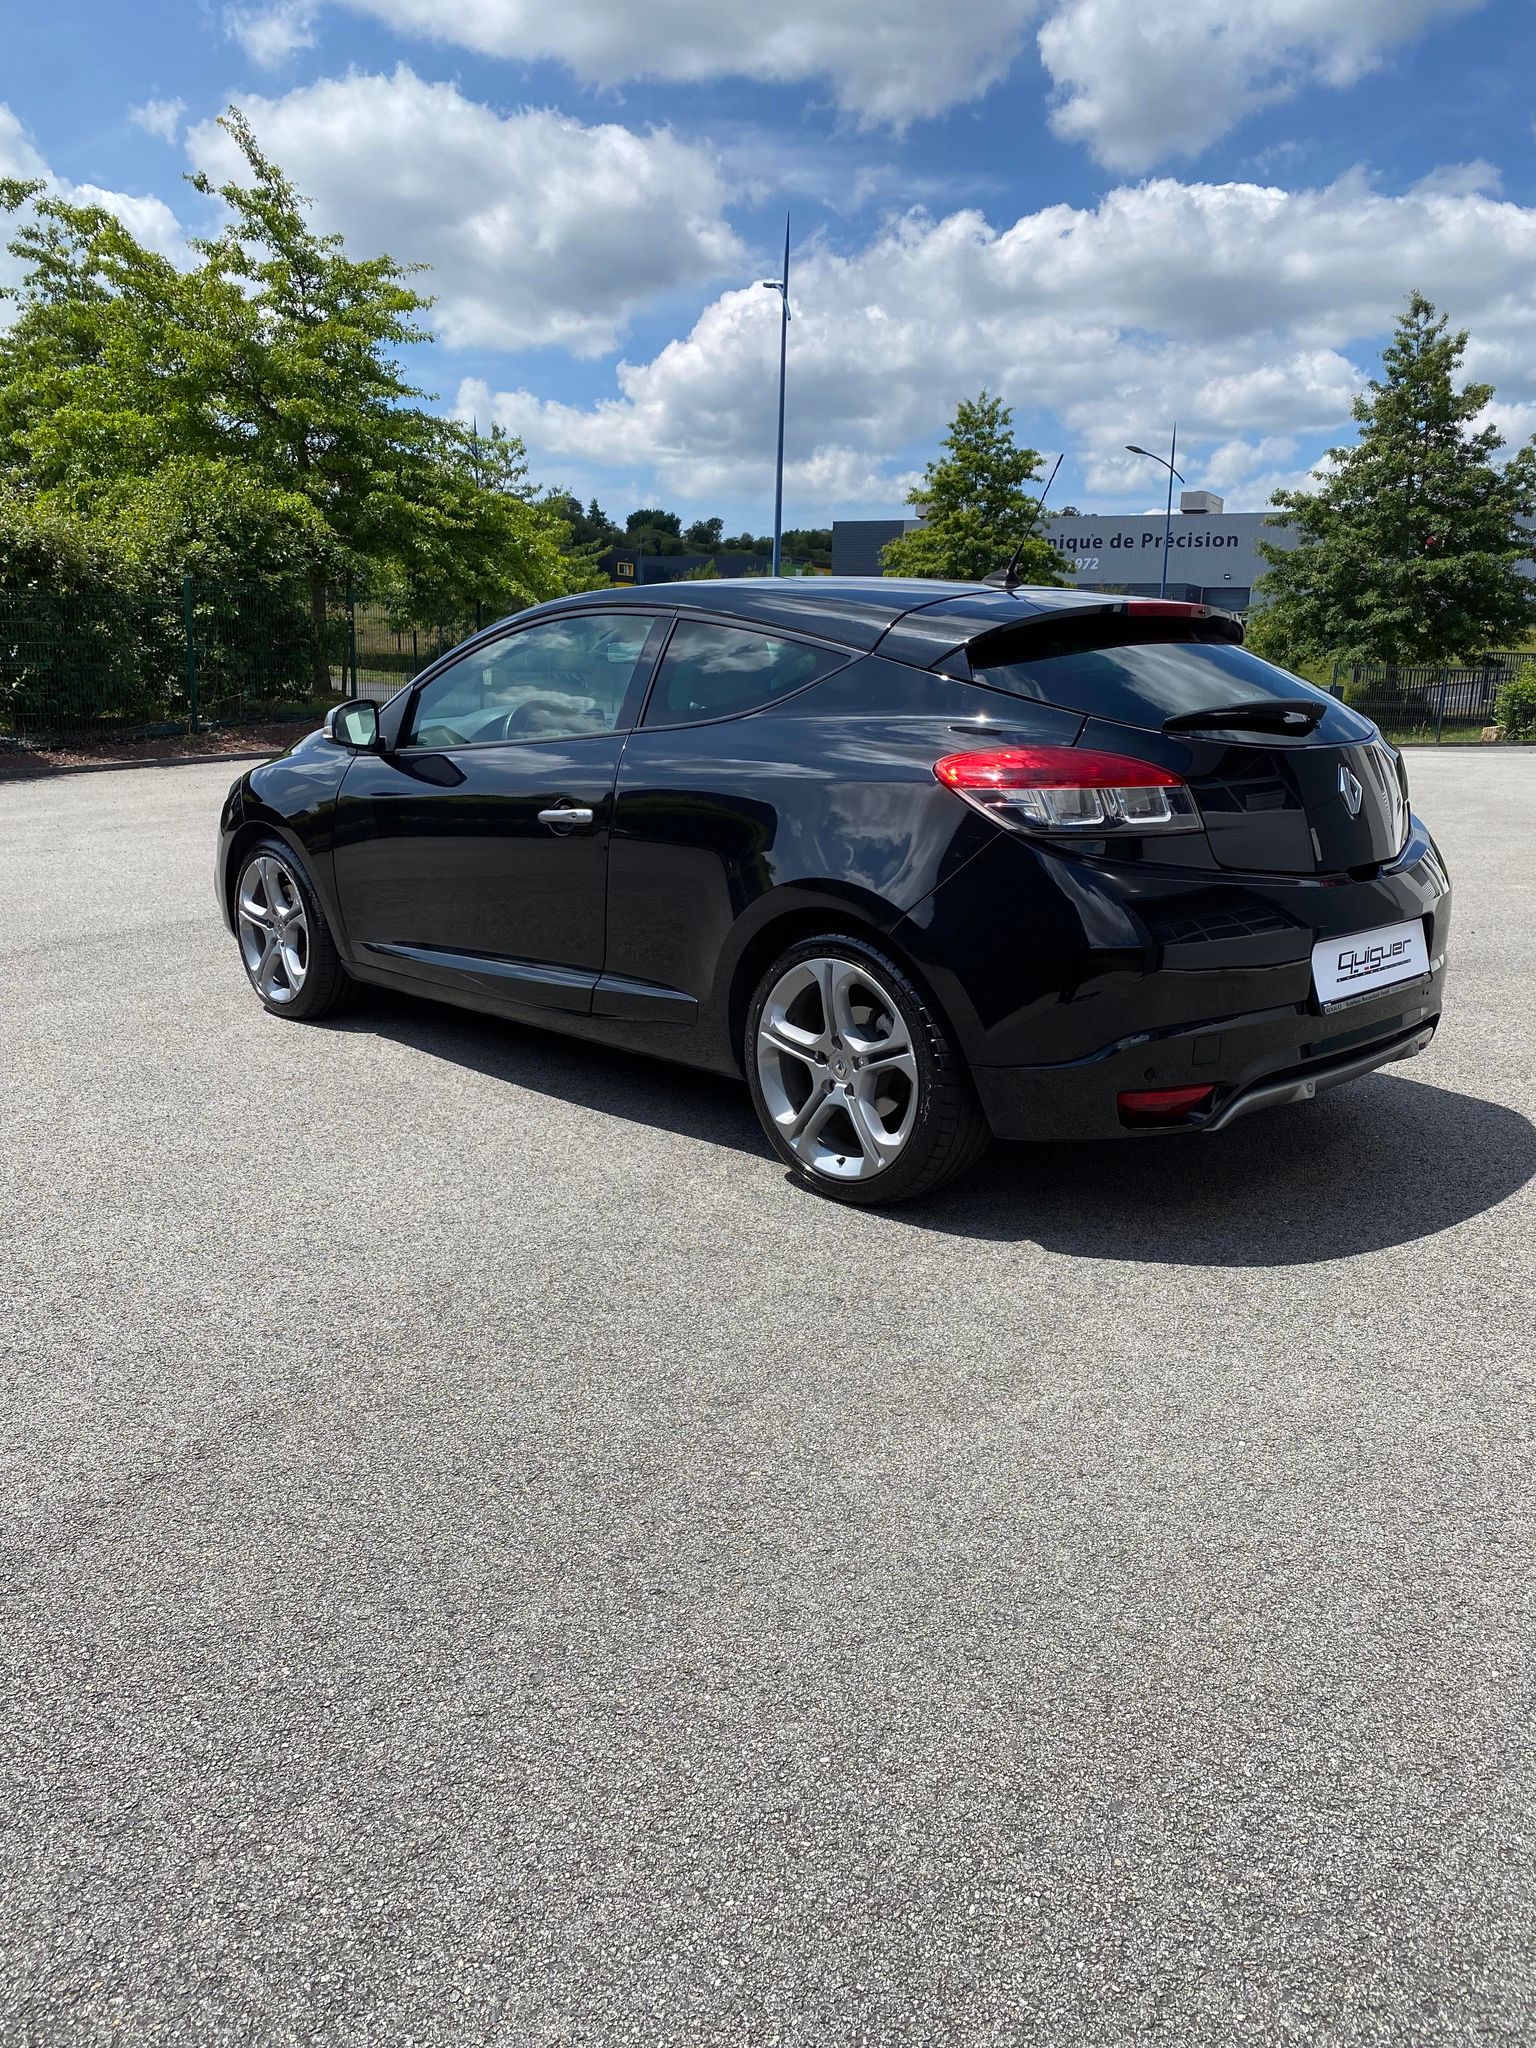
(565, 816)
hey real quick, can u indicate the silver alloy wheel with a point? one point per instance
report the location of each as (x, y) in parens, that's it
(837, 1069)
(274, 930)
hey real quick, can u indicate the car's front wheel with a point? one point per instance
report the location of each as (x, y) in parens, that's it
(855, 1077)
(285, 942)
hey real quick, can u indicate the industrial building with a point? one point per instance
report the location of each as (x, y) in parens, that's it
(1213, 555)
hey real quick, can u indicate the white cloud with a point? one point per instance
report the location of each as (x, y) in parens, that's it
(538, 229)
(159, 117)
(1515, 420)
(1141, 81)
(269, 36)
(1460, 181)
(1242, 311)
(884, 60)
(19, 157)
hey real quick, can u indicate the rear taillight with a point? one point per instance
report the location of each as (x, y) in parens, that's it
(1070, 789)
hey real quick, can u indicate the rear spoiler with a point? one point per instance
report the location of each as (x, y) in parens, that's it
(928, 639)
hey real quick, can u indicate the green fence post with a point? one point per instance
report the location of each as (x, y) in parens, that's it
(191, 638)
(351, 644)
(1440, 707)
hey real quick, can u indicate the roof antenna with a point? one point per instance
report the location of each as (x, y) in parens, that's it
(1008, 579)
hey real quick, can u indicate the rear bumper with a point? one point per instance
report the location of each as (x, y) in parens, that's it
(1254, 1062)
(1070, 982)
(1303, 1083)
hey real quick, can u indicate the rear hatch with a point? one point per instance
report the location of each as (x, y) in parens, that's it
(1288, 780)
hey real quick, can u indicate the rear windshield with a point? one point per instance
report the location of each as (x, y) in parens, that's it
(1151, 679)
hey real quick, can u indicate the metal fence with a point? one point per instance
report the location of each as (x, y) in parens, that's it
(87, 669)
(1431, 701)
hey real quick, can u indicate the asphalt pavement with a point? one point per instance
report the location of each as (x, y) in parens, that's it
(486, 1560)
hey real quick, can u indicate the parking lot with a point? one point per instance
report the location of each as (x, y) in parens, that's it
(488, 1561)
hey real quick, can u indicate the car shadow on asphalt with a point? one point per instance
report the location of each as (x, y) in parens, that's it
(643, 1091)
(1383, 1162)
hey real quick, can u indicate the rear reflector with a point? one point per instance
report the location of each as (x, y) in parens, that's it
(1075, 790)
(1140, 1106)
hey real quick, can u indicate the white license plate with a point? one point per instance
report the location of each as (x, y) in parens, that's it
(1346, 970)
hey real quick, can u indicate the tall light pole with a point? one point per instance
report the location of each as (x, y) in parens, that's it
(1173, 449)
(781, 286)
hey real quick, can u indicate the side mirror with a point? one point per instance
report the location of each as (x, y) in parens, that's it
(354, 724)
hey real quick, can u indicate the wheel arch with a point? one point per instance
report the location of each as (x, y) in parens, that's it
(849, 916)
(250, 832)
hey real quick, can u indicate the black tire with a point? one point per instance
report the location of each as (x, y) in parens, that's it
(324, 985)
(945, 1129)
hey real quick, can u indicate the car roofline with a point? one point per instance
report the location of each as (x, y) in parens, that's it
(915, 613)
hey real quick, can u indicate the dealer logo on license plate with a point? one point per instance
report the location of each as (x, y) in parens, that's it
(1346, 970)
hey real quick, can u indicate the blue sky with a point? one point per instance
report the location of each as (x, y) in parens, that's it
(1114, 212)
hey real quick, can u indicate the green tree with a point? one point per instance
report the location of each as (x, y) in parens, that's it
(591, 528)
(272, 355)
(809, 544)
(1409, 550)
(1515, 708)
(657, 521)
(481, 534)
(658, 532)
(974, 505)
(705, 535)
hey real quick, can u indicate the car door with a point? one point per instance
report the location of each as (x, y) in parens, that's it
(711, 795)
(475, 854)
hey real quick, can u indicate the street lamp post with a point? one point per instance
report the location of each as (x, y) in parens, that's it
(781, 286)
(1173, 449)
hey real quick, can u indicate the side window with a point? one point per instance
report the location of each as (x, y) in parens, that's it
(720, 671)
(557, 680)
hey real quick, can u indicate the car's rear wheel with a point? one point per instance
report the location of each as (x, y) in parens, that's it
(855, 1077)
(289, 954)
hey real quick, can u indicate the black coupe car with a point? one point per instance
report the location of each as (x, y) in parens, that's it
(923, 861)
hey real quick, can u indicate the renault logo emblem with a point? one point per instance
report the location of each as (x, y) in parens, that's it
(1351, 792)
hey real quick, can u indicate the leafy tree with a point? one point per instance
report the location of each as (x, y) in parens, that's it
(1515, 708)
(129, 388)
(809, 544)
(656, 531)
(705, 534)
(71, 639)
(975, 506)
(482, 535)
(1409, 549)
(591, 528)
